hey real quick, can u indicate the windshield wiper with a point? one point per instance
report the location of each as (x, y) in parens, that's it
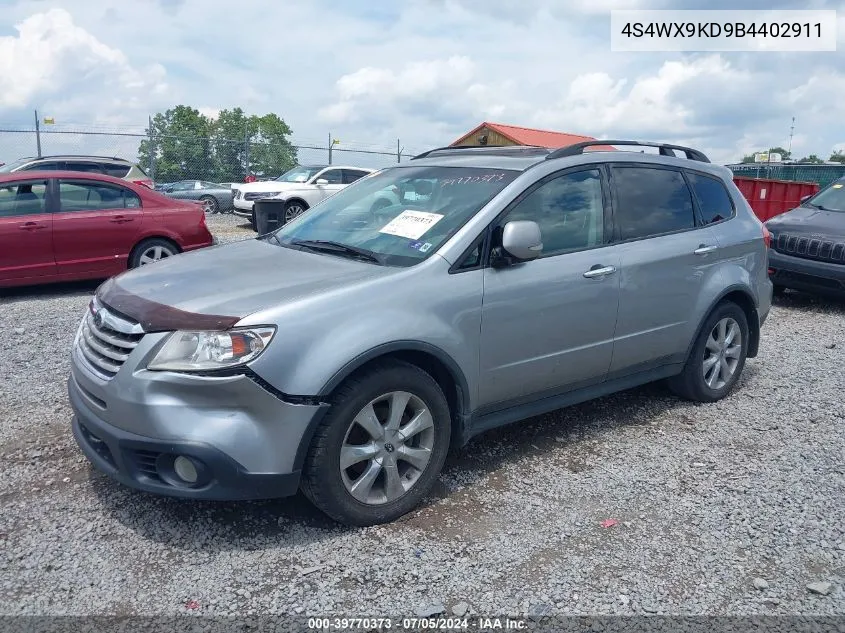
(338, 248)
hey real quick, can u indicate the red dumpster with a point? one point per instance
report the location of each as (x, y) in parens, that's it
(769, 198)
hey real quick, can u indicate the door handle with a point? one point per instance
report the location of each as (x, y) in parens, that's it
(599, 271)
(703, 249)
(120, 219)
(32, 226)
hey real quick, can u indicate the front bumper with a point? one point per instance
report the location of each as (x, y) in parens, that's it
(246, 442)
(243, 207)
(806, 274)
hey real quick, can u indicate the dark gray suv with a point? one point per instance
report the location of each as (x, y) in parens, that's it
(524, 280)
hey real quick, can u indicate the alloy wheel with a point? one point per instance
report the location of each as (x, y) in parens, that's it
(722, 353)
(387, 448)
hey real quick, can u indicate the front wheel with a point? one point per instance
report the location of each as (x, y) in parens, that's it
(293, 209)
(717, 358)
(380, 448)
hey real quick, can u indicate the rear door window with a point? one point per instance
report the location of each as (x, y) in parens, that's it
(91, 196)
(650, 202)
(714, 202)
(24, 198)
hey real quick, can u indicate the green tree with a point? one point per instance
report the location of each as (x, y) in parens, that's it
(812, 158)
(230, 145)
(270, 151)
(186, 144)
(180, 145)
(838, 156)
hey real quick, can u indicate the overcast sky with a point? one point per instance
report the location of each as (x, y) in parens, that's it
(424, 71)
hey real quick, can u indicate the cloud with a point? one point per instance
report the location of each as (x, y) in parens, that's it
(53, 56)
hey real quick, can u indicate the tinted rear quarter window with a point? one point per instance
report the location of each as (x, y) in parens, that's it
(714, 201)
(95, 168)
(651, 201)
(117, 170)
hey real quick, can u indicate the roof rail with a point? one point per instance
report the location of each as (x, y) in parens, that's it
(503, 150)
(666, 149)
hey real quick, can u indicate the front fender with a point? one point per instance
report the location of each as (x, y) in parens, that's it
(322, 339)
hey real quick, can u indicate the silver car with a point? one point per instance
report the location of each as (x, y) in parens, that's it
(523, 280)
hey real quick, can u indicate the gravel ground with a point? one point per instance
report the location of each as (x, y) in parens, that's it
(731, 508)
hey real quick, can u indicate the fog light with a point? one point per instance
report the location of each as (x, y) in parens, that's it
(185, 469)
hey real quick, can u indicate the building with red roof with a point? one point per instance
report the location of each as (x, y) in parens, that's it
(499, 134)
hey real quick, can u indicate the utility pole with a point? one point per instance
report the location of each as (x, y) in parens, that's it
(791, 132)
(398, 152)
(331, 145)
(38, 133)
(246, 149)
(152, 150)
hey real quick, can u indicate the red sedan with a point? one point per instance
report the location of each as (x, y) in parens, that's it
(67, 226)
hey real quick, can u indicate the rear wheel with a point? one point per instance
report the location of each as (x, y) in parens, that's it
(778, 291)
(209, 204)
(151, 251)
(381, 446)
(717, 358)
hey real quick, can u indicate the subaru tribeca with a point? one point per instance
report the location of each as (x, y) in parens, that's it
(526, 280)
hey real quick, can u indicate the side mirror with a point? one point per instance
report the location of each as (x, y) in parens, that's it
(805, 198)
(321, 181)
(521, 239)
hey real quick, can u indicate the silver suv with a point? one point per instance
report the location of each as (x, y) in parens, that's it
(523, 281)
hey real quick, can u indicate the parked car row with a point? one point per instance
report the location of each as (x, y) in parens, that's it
(117, 167)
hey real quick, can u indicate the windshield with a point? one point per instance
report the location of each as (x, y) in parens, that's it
(830, 199)
(5, 169)
(299, 174)
(400, 215)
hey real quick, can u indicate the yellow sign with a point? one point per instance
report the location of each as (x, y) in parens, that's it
(336, 142)
(48, 120)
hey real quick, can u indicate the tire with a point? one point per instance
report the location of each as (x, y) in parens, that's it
(330, 488)
(294, 209)
(778, 291)
(692, 383)
(252, 221)
(210, 204)
(151, 250)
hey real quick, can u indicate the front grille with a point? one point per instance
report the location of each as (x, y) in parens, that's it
(810, 248)
(106, 340)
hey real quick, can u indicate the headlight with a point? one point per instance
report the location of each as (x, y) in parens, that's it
(203, 351)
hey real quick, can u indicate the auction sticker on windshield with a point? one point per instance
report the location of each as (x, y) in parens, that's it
(411, 224)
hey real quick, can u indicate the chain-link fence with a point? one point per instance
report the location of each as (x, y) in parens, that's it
(168, 158)
(793, 172)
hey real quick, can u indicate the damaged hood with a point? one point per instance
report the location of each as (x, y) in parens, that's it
(216, 287)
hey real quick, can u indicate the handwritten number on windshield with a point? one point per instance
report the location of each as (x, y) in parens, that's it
(466, 180)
